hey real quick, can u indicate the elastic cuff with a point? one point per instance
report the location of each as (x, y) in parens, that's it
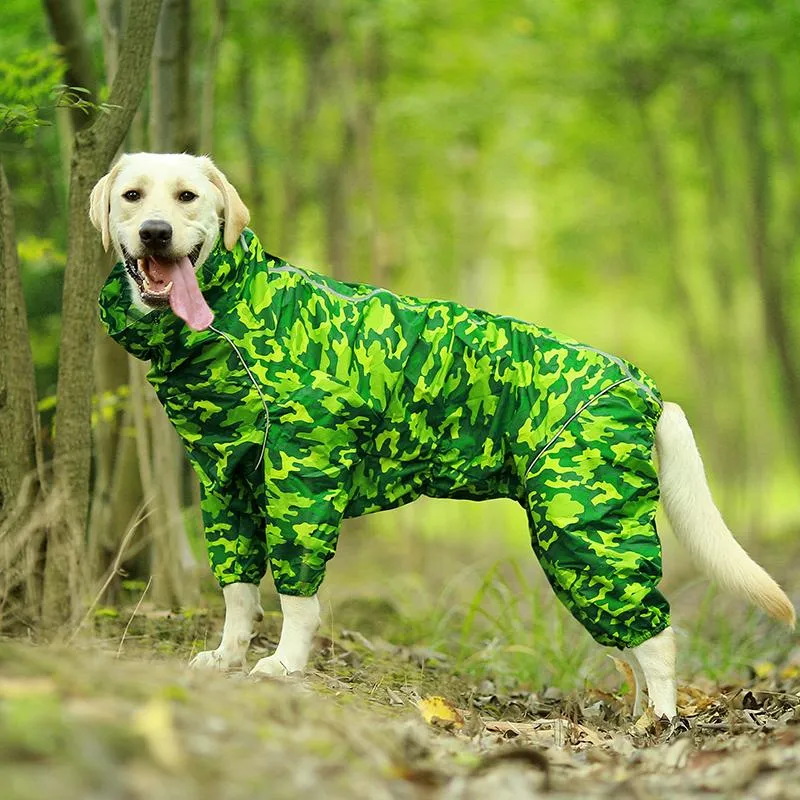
(643, 637)
(298, 587)
(227, 580)
(299, 590)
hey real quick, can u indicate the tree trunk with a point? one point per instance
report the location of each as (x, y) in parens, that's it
(17, 380)
(292, 194)
(665, 193)
(252, 147)
(762, 254)
(738, 466)
(206, 137)
(18, 418)
(111, 13)
(787, 146)
(93, 150)
(186, 127)
(172, 563)
(359, 82)
(337, 196)
(116, 488)
(164, 88)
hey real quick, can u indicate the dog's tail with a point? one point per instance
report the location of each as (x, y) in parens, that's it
(698, 524)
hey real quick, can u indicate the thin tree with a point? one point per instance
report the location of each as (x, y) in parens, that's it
(94, 146)
(18, 417)
(172, 559)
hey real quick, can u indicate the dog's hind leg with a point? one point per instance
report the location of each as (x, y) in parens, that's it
(656, 658)
(300, 622)
(242, 611)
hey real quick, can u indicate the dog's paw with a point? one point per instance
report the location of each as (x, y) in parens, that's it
(270, 667)
(219, 659)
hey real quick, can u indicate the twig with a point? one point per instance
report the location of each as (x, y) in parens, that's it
(125, 632)
(111, 573)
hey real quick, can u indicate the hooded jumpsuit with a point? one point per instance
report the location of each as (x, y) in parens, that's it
(309, 400)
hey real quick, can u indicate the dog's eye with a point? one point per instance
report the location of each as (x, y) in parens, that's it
(187, 197)
(131, 195)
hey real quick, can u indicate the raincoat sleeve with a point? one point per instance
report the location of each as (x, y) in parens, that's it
(308, 488)
(125, 322)
(234, 533)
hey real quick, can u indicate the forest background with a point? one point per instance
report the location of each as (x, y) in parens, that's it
(626, 172)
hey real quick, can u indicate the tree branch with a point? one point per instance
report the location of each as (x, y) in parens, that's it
(108, 130)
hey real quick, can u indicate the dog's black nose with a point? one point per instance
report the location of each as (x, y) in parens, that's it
(155, 233)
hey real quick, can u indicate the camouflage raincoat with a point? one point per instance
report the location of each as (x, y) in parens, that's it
(309, 400)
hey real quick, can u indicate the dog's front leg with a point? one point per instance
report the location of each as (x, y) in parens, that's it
(300, 622)
(242, 611)
(656, 658)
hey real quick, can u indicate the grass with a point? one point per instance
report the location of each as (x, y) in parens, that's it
(498, 619)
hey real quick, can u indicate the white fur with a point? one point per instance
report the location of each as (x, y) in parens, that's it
(699, 526)
(639, 684)
(300, 622)
(656, 658)
(242, 611)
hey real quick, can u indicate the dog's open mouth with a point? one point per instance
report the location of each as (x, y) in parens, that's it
(169, 282)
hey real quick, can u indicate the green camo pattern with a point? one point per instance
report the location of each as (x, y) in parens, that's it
(310, 400)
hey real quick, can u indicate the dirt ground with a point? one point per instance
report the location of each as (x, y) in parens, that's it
(436, 674)
(101, 720)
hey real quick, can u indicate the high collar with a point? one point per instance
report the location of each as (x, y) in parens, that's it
(222, 270)
(226, 278)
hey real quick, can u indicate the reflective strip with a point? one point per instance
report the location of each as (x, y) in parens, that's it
(561, 430)
(620, 363)
(329, 290)
(572, 346)
(255, 384)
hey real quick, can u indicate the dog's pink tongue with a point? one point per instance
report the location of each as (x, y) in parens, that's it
(186, 299)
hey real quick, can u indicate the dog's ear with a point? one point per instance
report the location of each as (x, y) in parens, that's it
(236, 213)
(100, 206)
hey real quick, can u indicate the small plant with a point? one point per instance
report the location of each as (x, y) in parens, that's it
(31, 88)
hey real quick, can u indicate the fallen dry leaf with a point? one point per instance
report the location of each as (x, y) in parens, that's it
(549, 731)
(763, 669)
(440, 713)
(692, 701)
(626, 671)
(646, 722)
(790, 673)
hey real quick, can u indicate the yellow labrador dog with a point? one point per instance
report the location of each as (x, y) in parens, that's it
(162, 214)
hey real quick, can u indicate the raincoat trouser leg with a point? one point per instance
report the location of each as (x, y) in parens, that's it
(591, 496)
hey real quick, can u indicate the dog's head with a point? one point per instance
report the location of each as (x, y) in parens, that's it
(162, 213)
